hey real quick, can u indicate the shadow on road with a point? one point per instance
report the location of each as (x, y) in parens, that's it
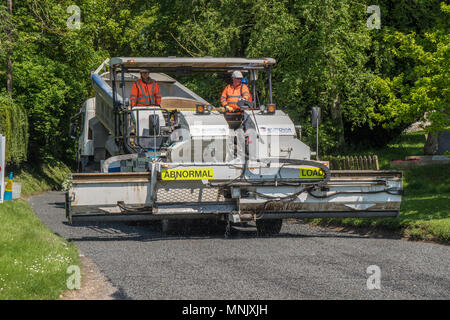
(61, 205)
(152, 231)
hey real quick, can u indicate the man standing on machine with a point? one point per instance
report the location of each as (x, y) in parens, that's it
(145, 91)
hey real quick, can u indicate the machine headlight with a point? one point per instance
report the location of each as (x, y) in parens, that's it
(270, 108)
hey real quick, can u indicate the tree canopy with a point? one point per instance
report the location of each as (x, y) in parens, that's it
(370, 83)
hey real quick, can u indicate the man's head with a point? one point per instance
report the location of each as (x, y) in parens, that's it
(237, 77)
(144, 74)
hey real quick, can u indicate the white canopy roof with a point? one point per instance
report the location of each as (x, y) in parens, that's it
(205, 62)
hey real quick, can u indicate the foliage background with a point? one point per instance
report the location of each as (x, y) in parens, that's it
(371, 84)
(14, 125)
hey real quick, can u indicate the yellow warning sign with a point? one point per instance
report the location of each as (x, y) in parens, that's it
(9, 186)
(311, 173)
(187, 174)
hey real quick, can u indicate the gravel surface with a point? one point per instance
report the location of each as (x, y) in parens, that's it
(94, 285)
(303, 262)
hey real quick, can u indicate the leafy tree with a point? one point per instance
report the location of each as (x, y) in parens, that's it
(51, 72)
(321, 51)
(366, 81)
(14, 126)
(421, 92)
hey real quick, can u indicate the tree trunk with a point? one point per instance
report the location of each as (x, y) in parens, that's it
(336, 113)
(9, 84)
(336, 116)
(431, 144)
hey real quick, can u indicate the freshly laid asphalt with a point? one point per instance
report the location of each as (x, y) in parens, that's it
(303, 262)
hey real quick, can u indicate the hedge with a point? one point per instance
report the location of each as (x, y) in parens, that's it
(14, 126)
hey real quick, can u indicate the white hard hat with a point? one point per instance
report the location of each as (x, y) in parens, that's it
(237, 74)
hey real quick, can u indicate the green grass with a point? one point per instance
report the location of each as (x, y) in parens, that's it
(33, 260)
(425, 209)
(407, 144)
(43, 177)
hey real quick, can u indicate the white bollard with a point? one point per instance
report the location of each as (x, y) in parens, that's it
(2, 167)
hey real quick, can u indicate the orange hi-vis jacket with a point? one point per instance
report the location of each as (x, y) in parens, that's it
(231, 95)
(145, 94)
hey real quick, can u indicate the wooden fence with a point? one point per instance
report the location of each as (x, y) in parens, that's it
(352, 162)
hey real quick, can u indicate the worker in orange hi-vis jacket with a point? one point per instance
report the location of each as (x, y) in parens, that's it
(235, 92)
(145, 91)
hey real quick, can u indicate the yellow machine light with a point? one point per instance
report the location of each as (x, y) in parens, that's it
(165, 166)
(325, 163)
(271, 108)
(131, 61)
(200, 108)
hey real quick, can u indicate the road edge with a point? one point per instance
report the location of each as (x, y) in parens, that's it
(94, 284)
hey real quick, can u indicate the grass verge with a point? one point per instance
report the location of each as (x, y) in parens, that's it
(425, 210)
(43, 177)
(33, 260)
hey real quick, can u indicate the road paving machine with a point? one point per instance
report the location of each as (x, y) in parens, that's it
(186, 160)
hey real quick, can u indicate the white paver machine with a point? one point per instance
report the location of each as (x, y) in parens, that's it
(186, 160)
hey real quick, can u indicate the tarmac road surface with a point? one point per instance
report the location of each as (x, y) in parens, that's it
(303, 262)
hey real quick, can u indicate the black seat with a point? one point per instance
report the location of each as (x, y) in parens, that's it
(234, 119)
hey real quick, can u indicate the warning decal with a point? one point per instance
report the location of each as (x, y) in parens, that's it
(311, 173)
(9, 185)
(187, 174)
